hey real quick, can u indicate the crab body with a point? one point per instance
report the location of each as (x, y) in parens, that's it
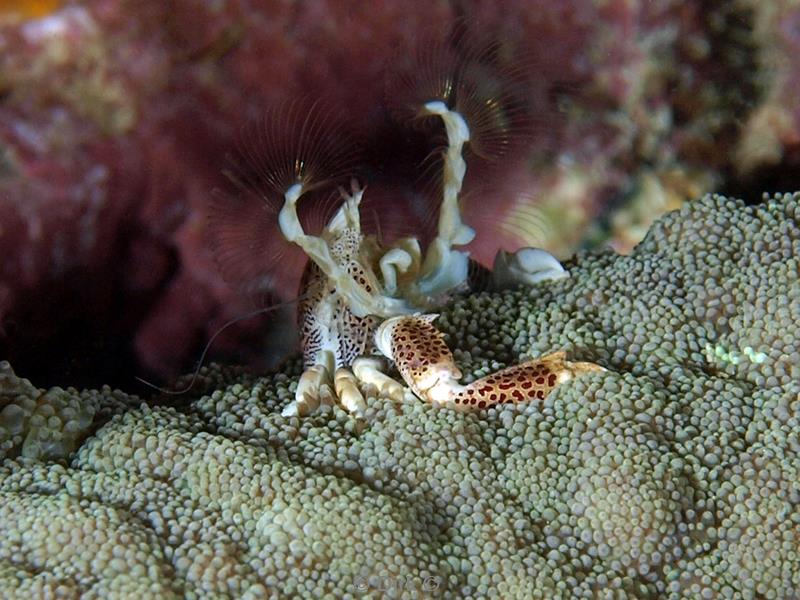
(326, 321)
(335, 339)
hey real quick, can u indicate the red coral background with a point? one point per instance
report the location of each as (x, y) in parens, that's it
(115, 118)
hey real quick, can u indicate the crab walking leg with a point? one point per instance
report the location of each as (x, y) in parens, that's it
(445, 268)
(428, 367)
(369, 371)
(348, 393)
(314, 387)
(361, 302)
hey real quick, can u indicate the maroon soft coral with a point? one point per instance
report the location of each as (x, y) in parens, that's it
(115, 119)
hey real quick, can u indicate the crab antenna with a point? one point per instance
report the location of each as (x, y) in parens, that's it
(301, 148)
(196, 372)
(484, 77)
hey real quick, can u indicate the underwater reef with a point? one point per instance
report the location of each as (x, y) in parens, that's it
(115, 118)
(675, 474)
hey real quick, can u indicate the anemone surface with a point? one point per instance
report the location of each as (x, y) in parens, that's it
(675, 474)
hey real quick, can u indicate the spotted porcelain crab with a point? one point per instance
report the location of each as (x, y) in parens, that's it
(362, 300)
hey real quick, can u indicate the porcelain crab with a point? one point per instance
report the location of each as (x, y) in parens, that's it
(362, 300)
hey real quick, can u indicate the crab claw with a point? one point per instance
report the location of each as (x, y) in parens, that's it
(420, 355)
(525, 266)
(427, 366)
(526, 382)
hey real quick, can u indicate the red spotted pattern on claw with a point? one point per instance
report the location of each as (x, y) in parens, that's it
(428, 367)
(418, 350)
(526, 382)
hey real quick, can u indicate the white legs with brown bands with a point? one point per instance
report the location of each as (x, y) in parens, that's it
(320, 384)
(314, 387)
(369, 371)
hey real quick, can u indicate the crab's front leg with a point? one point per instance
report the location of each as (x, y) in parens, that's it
(427, 366)
(314, 388)
(360, 301)
(421, 356)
